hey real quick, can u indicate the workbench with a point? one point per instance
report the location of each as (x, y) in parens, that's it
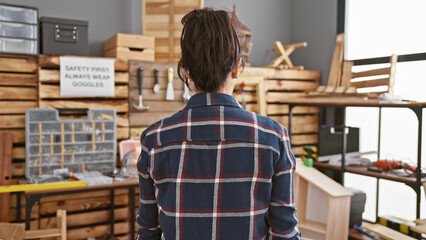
(33, 196)
(343, 102)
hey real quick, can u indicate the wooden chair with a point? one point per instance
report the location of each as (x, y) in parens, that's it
(370, 80)
(60, 232)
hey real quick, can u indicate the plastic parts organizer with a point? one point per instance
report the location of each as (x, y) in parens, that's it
(78, 145)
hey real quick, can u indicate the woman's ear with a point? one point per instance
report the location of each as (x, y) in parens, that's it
(236, 68)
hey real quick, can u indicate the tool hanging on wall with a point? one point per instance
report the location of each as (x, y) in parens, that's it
(186, 96)
(140, 107)
(157, 87)
(170, 94)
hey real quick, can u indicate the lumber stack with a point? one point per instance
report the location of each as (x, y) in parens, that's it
(159, 107)
(49, 94)
(162, 19)
(88, 214)
(280, 85)
(18, 92)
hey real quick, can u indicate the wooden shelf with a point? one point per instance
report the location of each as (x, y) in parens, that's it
(363, 171)
(313, 226)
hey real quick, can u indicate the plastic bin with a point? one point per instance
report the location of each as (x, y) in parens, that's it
(18, 30)
(78, 145)
(12, 13)
(18, 46)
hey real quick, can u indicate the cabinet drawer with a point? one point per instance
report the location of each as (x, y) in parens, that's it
(18, 30)
(18, 46)
(18, 14)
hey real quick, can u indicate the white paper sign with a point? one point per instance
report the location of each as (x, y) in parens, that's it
(87, 77)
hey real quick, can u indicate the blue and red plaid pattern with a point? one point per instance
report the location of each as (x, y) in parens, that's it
(216, 171)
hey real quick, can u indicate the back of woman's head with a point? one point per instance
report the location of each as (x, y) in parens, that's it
(210, 48)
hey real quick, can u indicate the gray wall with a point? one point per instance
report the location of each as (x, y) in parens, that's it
(268, 21)
(106, 17)
(288, 21)
(314, 21)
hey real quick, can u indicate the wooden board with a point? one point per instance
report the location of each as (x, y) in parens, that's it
(130, 40)
(386, 232)
(145, 119)
(291, 85)
(275, 109)
(53, 76)
(16, 64)
(97, 231)
(19, 107)
(161, 19)
(88, 203)
(18, 79)
(52, 62)
(12, 121)
(48, 91)
(335, 72)
(18, 93)
(285, 74)
(87, 218)
(304, 139)
(121, 106)
(5, 172)
(126, 53)
(135, 132)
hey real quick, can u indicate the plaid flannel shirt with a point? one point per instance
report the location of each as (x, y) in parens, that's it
(216, 171)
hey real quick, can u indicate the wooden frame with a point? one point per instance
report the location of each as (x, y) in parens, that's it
(338, 204)
(259, 83)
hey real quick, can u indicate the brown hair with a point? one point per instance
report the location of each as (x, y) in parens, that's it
(210, 47)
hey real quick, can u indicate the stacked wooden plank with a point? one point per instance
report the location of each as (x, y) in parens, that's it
(159, 107)
(49, 94)
(279, 86)
(88, 214)
(6, 143)
(18, 92)
(162, 19)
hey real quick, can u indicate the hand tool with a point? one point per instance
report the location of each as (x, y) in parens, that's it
(170, 94)
(157, 87)
(140, 107)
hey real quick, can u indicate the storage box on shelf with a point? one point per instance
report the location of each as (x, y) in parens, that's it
(161, 19)
(49, 94)
(18, 29)
(64, 36)
(279, 86)
(130, 46)
(159, 107)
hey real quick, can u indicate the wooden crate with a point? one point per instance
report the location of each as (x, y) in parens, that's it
(130, 46)
(49, 94)
(162, 19)
(18, 92)
(159, 106)
(279, 86)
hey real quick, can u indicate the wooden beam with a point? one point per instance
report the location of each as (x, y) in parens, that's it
(18, 93)
(379, 71)
(121, 106)
(21, 65)
(291, 85)
(371, 83)
(52, 61)
(16, 107)
(12, 121)
(18, 79)
(48, 91)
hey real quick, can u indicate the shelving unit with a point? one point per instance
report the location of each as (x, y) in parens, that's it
(414, 182)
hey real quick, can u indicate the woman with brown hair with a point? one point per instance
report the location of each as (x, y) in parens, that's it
(214, 170)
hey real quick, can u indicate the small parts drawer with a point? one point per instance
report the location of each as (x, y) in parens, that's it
(18, 30)
(18, 14)
(18, 46)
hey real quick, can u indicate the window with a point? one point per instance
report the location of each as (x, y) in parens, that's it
(376, 29)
